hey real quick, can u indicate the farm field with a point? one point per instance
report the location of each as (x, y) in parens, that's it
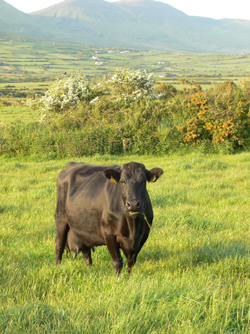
(192, 275)
(17, 113)
(30, 65)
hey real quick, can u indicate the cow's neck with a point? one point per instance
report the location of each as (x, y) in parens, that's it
(135, 227)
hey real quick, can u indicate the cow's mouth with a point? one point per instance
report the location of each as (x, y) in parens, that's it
(133, 214)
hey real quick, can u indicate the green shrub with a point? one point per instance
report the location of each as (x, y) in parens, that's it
(220, 115)
(167, 91)
(217, 120)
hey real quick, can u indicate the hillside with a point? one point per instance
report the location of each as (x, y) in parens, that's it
(144, 24)
(14, 21)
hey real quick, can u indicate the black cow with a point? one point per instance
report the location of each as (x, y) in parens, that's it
(105, 205)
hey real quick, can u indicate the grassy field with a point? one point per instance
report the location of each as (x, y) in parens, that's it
(15, 113)
(30, 65)
(192, 276)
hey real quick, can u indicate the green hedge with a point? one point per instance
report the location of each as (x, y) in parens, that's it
(217, 120)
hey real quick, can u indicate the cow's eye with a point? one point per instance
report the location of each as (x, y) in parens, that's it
(122, 183)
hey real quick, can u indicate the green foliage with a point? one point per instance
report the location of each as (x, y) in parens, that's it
(219, 115)
(39, 140)
(216, 120)
(229, 109)
(167, 91)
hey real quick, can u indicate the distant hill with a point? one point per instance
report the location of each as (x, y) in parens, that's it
(144, 24)
(14, 21)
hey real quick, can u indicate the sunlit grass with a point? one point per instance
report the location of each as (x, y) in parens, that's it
(16, 113)
(192, 275)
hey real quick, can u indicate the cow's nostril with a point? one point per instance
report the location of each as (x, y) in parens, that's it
(138, 205)
(128, 205)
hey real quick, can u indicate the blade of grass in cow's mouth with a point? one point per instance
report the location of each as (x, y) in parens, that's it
(133, 214)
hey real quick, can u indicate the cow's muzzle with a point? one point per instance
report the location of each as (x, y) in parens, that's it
(134, 208)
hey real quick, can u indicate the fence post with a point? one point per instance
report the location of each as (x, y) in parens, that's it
(124, 144)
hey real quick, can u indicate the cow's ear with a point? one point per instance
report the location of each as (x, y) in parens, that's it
(112, 175)
(154, 174)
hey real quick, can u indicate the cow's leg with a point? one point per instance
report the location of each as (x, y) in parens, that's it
(61, 238)
(114, 251)
(131, 260)
(66, 252)
(87, 256)
(90, 258)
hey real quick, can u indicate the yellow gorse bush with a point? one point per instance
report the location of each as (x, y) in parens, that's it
(218, 115)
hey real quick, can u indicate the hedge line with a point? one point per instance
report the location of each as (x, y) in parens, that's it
(211, 121)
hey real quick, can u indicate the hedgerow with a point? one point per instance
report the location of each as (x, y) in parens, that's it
(220, 115)
(97, 120)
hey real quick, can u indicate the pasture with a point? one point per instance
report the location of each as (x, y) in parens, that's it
(30, 65)
(17, 113)
(192, 275)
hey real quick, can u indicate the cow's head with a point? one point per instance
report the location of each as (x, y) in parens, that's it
(132, 179)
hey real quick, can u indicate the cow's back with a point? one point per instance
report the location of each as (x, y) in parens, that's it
(76, 176)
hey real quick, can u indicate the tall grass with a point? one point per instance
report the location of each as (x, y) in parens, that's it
(192, 275)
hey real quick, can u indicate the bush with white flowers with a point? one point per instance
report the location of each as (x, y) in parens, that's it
(129, 84)
(66, 92)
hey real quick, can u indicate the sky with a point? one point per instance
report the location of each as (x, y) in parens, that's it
(216, 9)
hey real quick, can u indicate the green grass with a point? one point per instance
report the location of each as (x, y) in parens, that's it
(17, 113)
(192, 275)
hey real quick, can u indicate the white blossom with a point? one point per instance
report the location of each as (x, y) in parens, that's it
(66, 92)
(133, 84)
(96, 100)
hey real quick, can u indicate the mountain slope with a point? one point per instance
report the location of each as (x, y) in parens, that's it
(144, 23)
(14, 21)
(129, 23)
